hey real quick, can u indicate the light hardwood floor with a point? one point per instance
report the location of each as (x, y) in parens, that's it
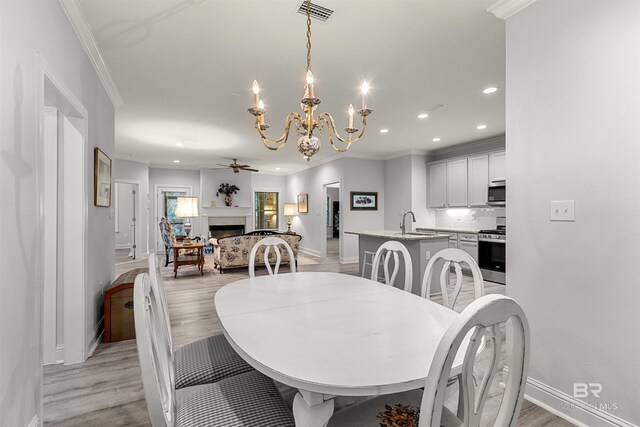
(106, 390)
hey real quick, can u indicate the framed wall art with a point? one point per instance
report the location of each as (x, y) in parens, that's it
(364, 201)
(102, 179)
(303, 203)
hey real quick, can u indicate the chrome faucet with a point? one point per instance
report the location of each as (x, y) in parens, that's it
(404, 217)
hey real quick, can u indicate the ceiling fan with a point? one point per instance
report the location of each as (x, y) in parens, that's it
(236, 167)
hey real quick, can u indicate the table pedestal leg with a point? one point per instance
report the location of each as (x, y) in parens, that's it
(311, 409)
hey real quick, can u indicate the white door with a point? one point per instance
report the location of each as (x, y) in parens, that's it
(457, 183)
(124, 199)
(438, 185)
(478, 180)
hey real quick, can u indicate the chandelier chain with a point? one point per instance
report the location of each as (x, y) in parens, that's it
(308, 35)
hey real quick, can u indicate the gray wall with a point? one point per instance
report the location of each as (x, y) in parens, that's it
(573, 132)
(28, 27)
(138, 172)
(356, 175)
(405, 181)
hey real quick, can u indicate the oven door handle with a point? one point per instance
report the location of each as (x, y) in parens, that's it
(492, 240)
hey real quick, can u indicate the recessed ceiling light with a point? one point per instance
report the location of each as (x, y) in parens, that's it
(423, 116)
(277, 169)
(179, 144)
(490, 89)
(480, 127)
(176, 161)
(436, 139)
(384, 130)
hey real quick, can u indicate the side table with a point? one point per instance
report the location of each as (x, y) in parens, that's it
(196, 259)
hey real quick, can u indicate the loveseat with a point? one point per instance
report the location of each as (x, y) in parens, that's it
(234, 251)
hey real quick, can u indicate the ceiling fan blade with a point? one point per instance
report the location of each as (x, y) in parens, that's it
(249, 169)
(243, 166)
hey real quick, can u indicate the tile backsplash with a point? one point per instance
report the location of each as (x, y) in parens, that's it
(473, 219)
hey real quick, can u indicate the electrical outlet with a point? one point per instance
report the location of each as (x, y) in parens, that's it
(562, 210)
(102, 288)
(428, 255)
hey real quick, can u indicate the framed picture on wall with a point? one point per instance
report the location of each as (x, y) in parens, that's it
(102, 179)
(303, 203)
(364, 201)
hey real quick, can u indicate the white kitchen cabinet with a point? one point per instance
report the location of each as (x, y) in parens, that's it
(438, 185)
(498, 166)
(478, 180)
(457, 183)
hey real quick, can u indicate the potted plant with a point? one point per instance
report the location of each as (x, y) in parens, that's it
(228, 190)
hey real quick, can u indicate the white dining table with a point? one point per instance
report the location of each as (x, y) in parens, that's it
(331, 334)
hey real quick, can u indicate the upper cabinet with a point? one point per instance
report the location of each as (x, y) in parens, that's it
(457, 183)
(478, 180)
(438, 185)
(498, 166)
(464, 182)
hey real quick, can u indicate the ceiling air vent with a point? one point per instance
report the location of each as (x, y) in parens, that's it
(318, 12)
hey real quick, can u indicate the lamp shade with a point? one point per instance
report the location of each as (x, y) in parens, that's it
(290, 209)
(187, 207)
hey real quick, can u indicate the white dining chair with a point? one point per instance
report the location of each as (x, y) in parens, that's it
(387, 250)
(446, 259)
(248, 400)
(203, 361)
(271, 243)
(486, 315)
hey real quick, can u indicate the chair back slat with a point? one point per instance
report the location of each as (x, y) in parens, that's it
(154, 354)
(269, 243)
(447, 258)
(386, 250)
(483, 316)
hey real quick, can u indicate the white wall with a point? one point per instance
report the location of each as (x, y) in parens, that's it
(27, 28)
(573, 132)
(139, 172)
(356, 175)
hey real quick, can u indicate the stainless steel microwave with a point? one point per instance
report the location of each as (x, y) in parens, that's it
(497, 195)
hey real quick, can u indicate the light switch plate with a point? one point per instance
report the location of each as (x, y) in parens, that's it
(562, 210)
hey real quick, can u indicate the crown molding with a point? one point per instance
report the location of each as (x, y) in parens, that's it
(504, 9)
(478, 144)
(334, 157)
(78, 20)
(407, 153)
(130, 158)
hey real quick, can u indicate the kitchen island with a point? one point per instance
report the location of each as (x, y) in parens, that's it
(421, 247)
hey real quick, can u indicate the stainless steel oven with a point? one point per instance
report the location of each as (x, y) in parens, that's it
(497, 194)
(492, 252)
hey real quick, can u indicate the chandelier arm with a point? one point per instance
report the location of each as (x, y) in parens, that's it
(326, 118)
(364, 128)
(285, 134)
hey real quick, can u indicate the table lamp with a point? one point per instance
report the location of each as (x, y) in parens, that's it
(290, 209)
(187, 207)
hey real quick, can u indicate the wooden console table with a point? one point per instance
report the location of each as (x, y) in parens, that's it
(196, 259)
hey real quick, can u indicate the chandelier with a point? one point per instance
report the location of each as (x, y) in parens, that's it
(308, 143)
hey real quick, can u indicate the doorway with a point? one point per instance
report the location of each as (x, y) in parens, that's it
(62, 189)
(332, 225)
(166, 202)
(125, 199)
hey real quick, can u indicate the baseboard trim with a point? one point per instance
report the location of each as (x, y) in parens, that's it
(121, 246)
(311, 252)
(97, 337)
(349, 260)
(570, 408)
(35, 421)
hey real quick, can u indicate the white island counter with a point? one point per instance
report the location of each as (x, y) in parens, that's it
(421, 247)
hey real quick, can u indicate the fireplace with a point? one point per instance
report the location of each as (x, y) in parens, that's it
(218, 231)
(225, 226)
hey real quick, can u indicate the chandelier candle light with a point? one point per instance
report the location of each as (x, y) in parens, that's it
(308, 144)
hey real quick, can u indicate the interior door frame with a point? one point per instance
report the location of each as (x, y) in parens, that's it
(158, 189)
(136, 213)
(74, 299)
(323, 224)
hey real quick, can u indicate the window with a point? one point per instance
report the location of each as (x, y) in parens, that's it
(266, 210)
(170, 203)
